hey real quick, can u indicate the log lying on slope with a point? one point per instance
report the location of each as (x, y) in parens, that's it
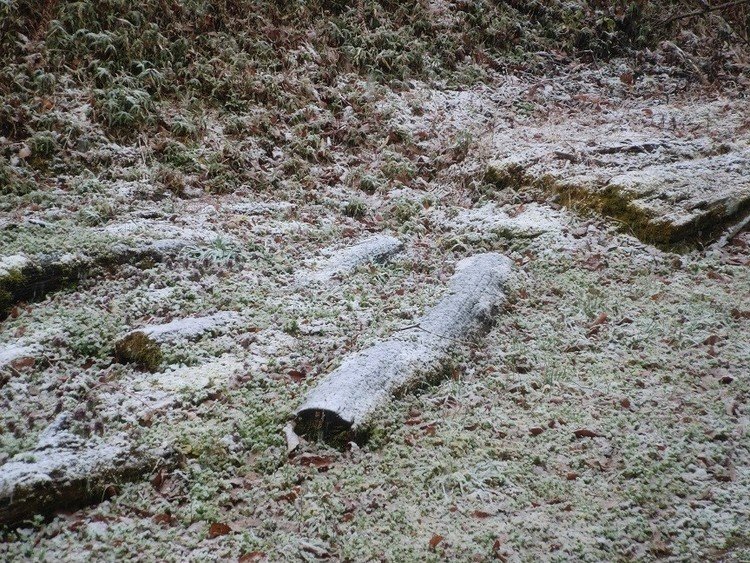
(344, 400)
(64, 471)
(375, 249)
(143, 346)
(30, 279)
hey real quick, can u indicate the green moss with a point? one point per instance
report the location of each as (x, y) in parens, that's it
(10, 284)
(503, 176)
(139, 349)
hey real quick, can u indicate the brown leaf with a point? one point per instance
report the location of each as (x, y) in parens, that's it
(291, 495)
(737, 314)
(627, 78)
(218, 529)
(436, 539)
(297, 375)
(586, 433)
(536, 430)
(711, 340)
(22, 363)
(600, 320)
(481, 514)
(252, 557)
(164, 518)
(321, 462)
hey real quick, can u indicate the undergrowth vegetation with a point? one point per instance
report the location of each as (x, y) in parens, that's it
(281, 75)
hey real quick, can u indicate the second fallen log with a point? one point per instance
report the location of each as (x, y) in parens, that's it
(344, 400)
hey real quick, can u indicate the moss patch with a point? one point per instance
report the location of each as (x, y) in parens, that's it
(139, 349)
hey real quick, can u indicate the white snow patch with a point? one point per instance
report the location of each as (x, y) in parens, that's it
(530, 221)
(15, 352)
(12, 263)
(197, 377)
(189, 327)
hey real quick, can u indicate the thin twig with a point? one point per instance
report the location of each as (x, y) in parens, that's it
(730, 233)
(703, 11)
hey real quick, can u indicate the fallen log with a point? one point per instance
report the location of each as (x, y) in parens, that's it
(143, 345)
(30, 279)
(64, 471)
(341, 404)
(371, 250)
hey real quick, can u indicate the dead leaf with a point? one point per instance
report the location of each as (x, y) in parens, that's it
(321, 462)
(436, 539)
(536, 430)
(481, 514)
(291, 495)
(711, 340)
(218, 529)
(164, 518)
(22, 363)
(252, 557)
(586, 433)
(297, 375)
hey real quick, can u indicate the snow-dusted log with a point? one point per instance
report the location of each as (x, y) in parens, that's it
(374, 249)
(344, 400)
(143, 346)
(29, 279)
(64, 471)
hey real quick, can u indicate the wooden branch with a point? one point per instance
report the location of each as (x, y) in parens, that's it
(703, 11)
(342, 403)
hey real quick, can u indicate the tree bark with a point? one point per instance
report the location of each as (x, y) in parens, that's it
(343, 401)
(64, 471)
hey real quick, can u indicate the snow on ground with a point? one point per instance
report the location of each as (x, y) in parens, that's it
(604, 416)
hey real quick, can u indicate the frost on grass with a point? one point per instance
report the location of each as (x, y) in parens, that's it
(348, 396)
(64, 471)
(666, 189)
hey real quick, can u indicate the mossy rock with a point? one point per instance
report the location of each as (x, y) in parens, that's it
(139, 349)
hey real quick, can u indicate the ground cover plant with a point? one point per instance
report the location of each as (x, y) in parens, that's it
(187, 159)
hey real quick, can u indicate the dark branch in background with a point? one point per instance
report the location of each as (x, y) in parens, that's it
(706, 9)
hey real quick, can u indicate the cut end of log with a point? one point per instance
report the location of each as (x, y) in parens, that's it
(327, 426)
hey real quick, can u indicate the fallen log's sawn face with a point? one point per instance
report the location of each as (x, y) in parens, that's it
(348, 396)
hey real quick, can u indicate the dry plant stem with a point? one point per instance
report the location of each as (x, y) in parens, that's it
(703, 11)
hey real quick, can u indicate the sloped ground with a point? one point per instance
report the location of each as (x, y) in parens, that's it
(605, 416)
